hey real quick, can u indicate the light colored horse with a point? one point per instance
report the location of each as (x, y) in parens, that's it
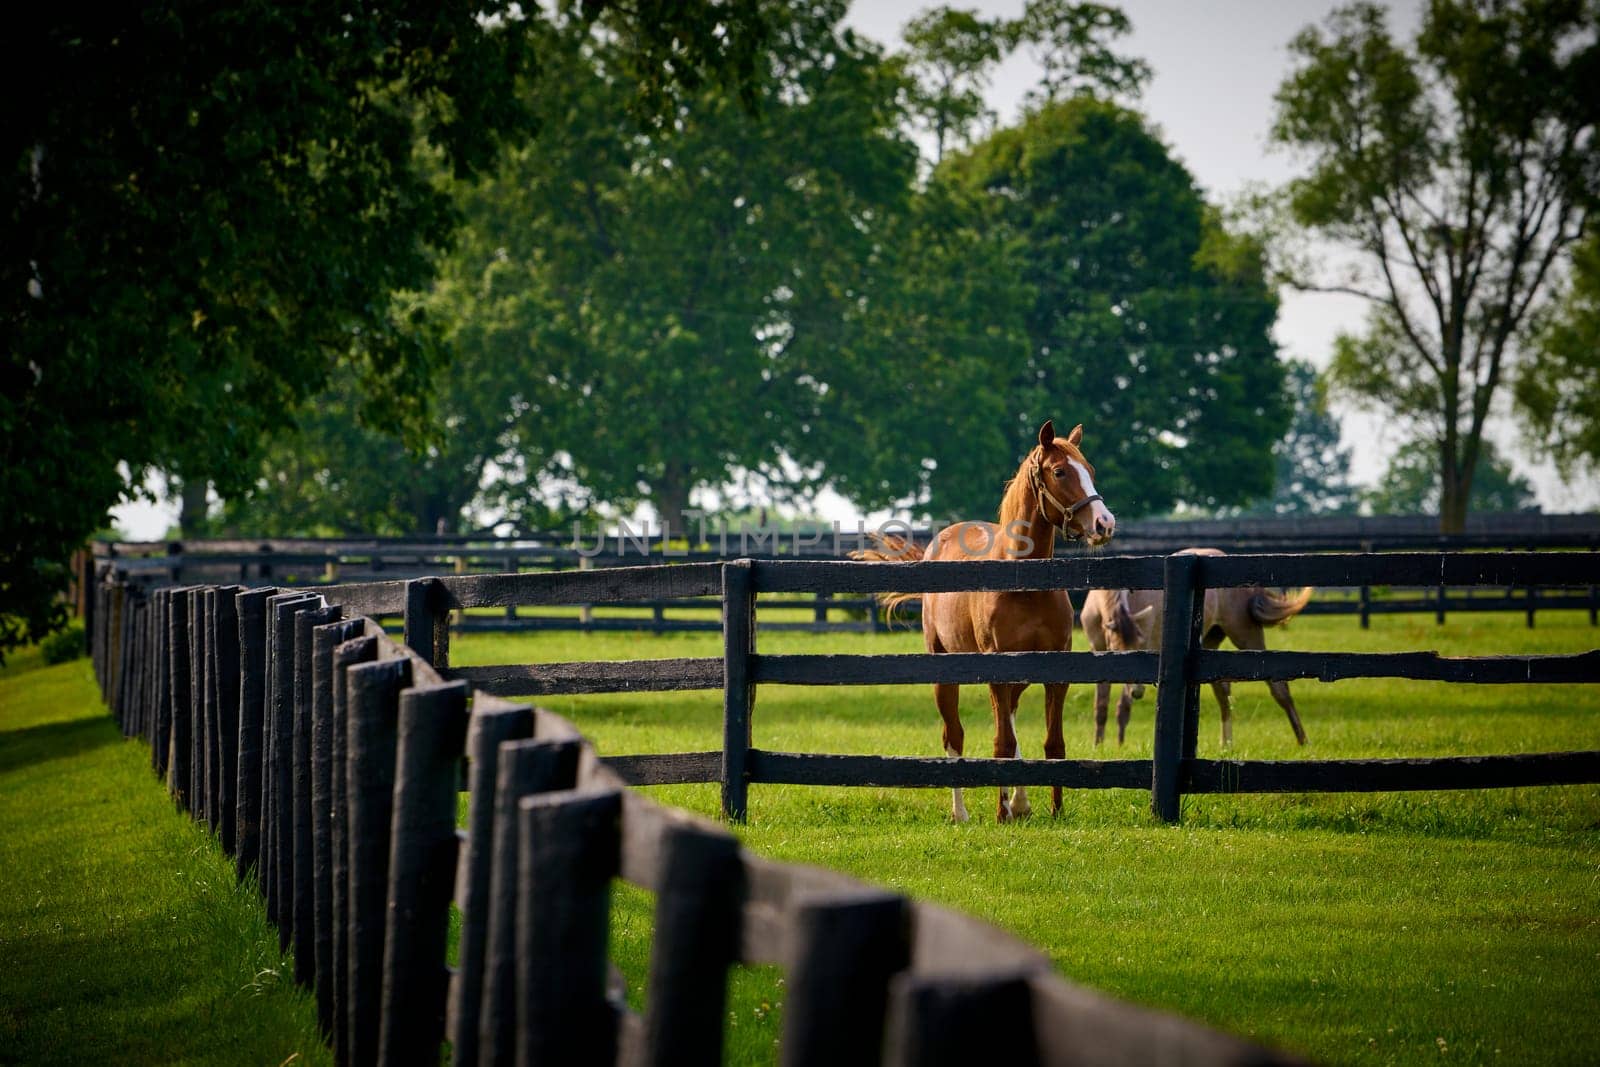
(1126, 620)
(1053, 490)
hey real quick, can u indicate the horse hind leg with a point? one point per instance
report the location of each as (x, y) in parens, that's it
(1255, 641)
(1102, 708)
(1223, 690)
(1124, 713)
(948, 699)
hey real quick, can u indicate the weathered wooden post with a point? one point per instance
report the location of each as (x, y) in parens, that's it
(738, 692)
(493, 723)
(277, 783)
(372, 738)
(936, 1021)
(226, 668)
(194, 599)
(422, 866)
(324, 639)
(427, 624)
(179, 747)
(357, 650)
(1177, 695)
(844, 952)
(303, 889)
(568, 855)
(526, 768)
(699, 903)
(251, 609)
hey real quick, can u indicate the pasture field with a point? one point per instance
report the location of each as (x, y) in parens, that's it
(124, 935)
(1355, 928)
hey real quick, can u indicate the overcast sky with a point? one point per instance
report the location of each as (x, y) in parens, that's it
(1216, 65)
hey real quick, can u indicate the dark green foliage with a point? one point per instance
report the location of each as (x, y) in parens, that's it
(211, 209)
(1147, 321)
(64, 645)
(1313, 473)
(1459, 168)
(1558, 390)
(1411, 484)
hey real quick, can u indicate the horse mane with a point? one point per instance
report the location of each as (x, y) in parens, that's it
(1019, 500)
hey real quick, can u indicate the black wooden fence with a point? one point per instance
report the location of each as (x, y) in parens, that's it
(1180, 666)
(309, 562)
(329, 760)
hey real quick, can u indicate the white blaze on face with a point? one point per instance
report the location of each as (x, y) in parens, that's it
(1099, 515)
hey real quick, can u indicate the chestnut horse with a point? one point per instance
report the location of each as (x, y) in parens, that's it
(1126, 620)
(1052, 491)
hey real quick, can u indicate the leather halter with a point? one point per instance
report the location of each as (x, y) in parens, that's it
(1068, 511)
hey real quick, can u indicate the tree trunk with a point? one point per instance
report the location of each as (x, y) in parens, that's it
(192, 507)
(670, 496)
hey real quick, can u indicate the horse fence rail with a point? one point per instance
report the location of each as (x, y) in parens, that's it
(340, 767)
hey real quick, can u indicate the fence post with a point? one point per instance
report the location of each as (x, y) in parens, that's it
(738, 693)
(1177, 696)
(939, 1020)
(179, 747)
(1533, 603)
(1438, 615)
(225, 659)
(371, 744)
(569, 845)
(1594, 605)
(324, 679)
(422, 867)
(526, 767)
(427, 627)
(161, 713)
(251, 609)
(302, 846)
(277, 781)
(489, 729)
(843, 954)
(357, 650)
(194, 604)
(699, 903)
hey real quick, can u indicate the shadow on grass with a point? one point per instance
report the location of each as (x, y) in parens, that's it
(54, 741)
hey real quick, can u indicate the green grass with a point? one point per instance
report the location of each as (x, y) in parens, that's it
(1387, 928)
(1359, 929)
(124, 936)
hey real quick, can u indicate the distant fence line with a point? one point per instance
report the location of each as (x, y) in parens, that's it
(1179, 667)
(328, 759)
(311, 562)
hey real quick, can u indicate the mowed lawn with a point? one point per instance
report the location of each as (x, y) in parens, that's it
(124, 936)
(1389, 928)
(1424, 927)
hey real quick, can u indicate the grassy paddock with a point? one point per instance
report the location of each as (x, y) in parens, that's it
(124, 936)
(1356, 928)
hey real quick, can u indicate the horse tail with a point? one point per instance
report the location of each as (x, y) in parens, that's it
(892, 549)
(1271, 609)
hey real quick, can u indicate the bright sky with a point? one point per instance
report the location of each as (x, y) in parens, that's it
(1216, 65)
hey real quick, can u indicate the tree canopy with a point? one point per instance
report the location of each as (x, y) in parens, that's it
(210, 209)
(1313, 464)
(1146, 319)
(1457, 171)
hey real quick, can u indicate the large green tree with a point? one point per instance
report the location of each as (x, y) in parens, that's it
(1147, 319)
(1410, 485)
(209, 207)
(676, 293)
(1455, 172)
(1558, 390)
(1313, 472)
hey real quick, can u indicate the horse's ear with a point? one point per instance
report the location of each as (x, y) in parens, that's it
(1047, 433)
(1075, 438)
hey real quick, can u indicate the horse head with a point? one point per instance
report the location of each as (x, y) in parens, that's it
(1063, 481)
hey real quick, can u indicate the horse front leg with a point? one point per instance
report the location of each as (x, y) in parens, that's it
(1124, 713)
(948, 698)
(1055, 742)
(1003, 702)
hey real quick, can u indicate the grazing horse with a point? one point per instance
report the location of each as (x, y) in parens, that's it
(1126, 620)
(1052, 491)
